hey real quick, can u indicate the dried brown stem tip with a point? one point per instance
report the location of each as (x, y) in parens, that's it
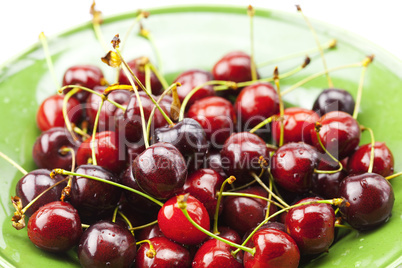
(250, 11)
(116, 41)
(96, 14)
(306, 62)
(276, 73)
(298, 8)
(263, 162)
(19, 218)
(318, 126)
(182, 200)
(231, 179)
(112, 59)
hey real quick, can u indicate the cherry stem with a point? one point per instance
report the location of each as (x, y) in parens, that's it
(229, 180)
(13, 163)
(270, 200)
(280, 200)
(182, 204)
(151, 252)
(317, 130)
(96, 21)
(147, 35)
(49, 61)
(281, 107)
(130, 226)
(81, 132)
(93, 141)
(147, 71)
(365, 64)
(393, 176)
(158, 74)
(252, 196)
(263, 123)
(312, 77)
(337, 225)
(143, 226)
(65, 172)
(115, 214)
(250, 13)
(330, 84)
(85, 226)
(194, 90)
(66, 191)
(330, 44)
(65, 115)
(371, 164)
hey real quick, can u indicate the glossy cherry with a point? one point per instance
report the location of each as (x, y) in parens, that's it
(33, 184)
(214, 161)
(371, 199)
(47, 149)
(107, 244)
(311, 226)
(55, 227)
(359, 161)
(149, 232)
(234, 66)
(175, 226)
(50, 112)
(298, 124)
(334, 99)
(160, 170)
(326, 185)
(217, 117)
(292, 166)
(168, 254)
(274, 249)
(191, 79)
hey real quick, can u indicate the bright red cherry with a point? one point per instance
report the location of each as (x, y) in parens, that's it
(55, 227)
(234, 66)
(175, 226)
(215, 254)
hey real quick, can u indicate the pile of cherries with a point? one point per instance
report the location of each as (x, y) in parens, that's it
(210, 188)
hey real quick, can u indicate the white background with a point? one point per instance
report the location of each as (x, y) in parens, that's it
(21, 21)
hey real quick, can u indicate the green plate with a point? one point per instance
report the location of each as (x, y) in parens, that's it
(197, 36)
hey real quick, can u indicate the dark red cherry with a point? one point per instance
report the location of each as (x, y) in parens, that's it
(340, 134)
(234, 66)
(55, 227)
(311, 226)
(326, 185)
(334, 99)
(255, 103)
(228, 233)
(213, 161)
(33, 184)
(204, 184)
(241, 154)
(371, 199)
(359, 161)
(92, 198)
(243, 213)
(216, 116)
(83, 75)
(274, 249)
(107, 244)
(50, 112)
(107, 151)
(138, 67)
(188, 137)
(149, 232)
(109, 112)
(160, 170)
(292, 166)
(191, 79)
(215, 254)
(175, 226)
(298, 124)
(47, 149)
(168, 254)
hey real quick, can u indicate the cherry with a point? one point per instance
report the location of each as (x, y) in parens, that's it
(160, 170)
(359, 161)
(273, 249)
(241, 154)
(292, 166)
(83, 75)
(228, 233)
(150, 232)
(256, 103)
(137, 66)
(33, 184)
(215, 254)
(50, 112)
(311, 226)
(326, 185)
(106, 244)
(191, 79)
(334, 99)
(298, 124)
(339, 133)
(371, 199)
(175, 226)
(93, 198)
(55, 227)
(188, 137)
(213, 161)
(168, 254)
(234, 66)
(47, 149)
(217, 117)
(107, 151)
(204, 184)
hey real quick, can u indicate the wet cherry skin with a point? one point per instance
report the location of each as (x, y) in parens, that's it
(234, 66)
(274, 249)
(175, 226)
(371, 199)
(326, 185)
(311, 226)
(359, 161)
(168, 254)
(107, 244)
(55, 227)
(334, 99)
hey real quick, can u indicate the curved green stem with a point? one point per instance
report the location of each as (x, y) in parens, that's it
(252, 196)
(49, 61)
(229, 180)
(93, 141)
(280, 200)
(371, 164)
(144, 226)
(13, 163)
(64, 109)
(365, 64)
